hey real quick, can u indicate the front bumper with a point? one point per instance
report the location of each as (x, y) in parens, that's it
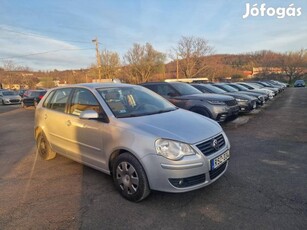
(11, 101)
(222, 113)
(187, 174)
(247, 106)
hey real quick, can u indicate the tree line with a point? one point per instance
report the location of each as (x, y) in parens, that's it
(190, 57)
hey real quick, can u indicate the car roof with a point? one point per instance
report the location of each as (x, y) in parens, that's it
(36, 90)
(97, 85)
(155, 83)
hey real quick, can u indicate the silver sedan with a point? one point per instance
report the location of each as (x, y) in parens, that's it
(9, 97)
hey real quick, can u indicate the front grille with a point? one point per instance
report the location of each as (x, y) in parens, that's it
(14, 100)
(216, 172)
(231, 102)
(188, 181)
(207, 147)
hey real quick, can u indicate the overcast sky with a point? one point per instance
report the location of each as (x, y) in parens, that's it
(57, 34)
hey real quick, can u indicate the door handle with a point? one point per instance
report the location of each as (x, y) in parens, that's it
(68, 123)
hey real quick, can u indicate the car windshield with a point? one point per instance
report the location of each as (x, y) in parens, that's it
(8, 93)
(247, 86)
(229, 88)
(238, 86)
(255, 85)
(215, 89)
(36, 93)
(185, 89)
(132, 101)
(265, 84)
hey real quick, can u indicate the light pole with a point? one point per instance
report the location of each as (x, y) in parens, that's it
(98, 57)
(177, 66)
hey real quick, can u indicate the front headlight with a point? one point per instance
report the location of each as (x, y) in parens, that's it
(173, 150)
(216, 102)
(241, 100)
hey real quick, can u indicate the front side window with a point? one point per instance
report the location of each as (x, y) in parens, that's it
(133, 101)
(82, 100)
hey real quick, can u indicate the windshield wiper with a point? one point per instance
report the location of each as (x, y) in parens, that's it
(146, 114)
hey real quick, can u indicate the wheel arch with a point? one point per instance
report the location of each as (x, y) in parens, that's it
(198, 109)
(118, 152)
(37, 131)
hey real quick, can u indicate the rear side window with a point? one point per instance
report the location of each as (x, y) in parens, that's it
(57, 100)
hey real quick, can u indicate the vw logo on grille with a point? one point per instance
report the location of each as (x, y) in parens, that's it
(215, 144)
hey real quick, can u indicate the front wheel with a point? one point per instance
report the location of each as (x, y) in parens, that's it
(129, 178)
(43, 148)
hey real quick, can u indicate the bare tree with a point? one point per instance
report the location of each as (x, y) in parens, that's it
(191, 52)
(9, 65)
(143, 61)
(110, 64)
(293, 64)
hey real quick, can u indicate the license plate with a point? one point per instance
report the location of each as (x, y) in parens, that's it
(216, 162)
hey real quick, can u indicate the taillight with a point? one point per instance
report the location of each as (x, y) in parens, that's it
(40, 96)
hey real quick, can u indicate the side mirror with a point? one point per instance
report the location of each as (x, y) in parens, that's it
(89, 114)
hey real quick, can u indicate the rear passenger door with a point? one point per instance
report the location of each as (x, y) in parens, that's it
(56, 120)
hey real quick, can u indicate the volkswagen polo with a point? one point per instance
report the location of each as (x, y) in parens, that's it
(129, 132)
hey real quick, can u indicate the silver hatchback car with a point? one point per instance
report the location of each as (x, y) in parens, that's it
(133, 134)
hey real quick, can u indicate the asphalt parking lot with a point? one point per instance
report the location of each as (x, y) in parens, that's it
(265, 186)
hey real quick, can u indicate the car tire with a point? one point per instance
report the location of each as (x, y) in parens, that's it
(43, 147)
(2, 102)
(130, 178)
(201, 111)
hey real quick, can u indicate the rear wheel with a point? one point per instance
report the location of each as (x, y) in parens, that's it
(43, 148)
(129, 178)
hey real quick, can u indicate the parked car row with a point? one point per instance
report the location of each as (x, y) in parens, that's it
(24, 97)
(218, 101)
(141, 139)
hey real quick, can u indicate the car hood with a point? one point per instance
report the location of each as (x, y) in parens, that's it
(206, 96)
(180, 125)
(12, 97)
(241, 96)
